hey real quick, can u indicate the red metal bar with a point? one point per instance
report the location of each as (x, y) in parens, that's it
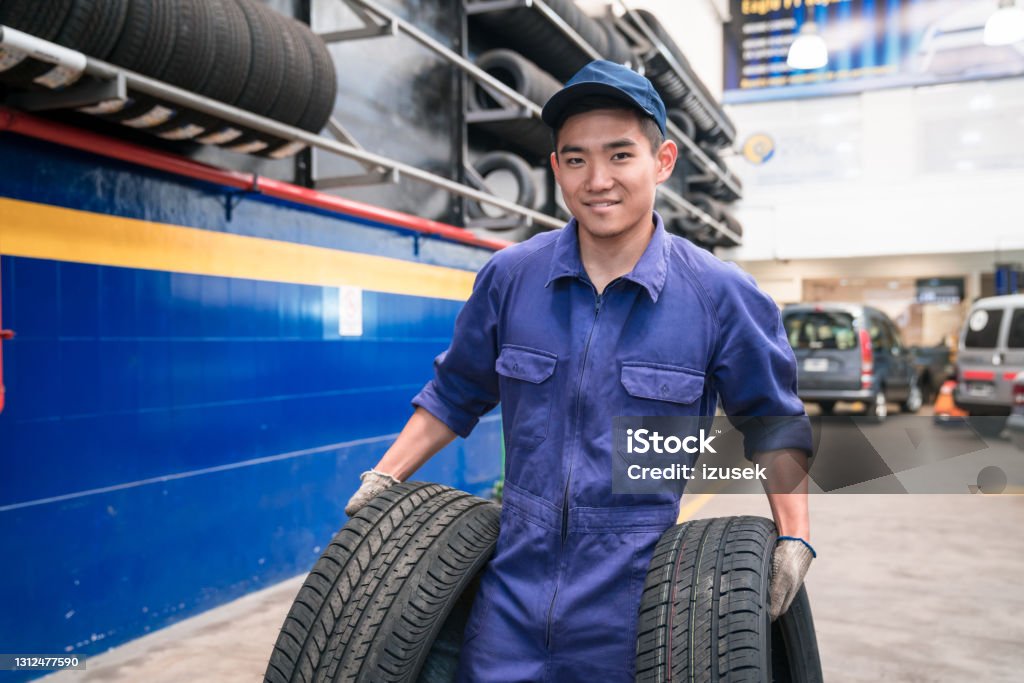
(31, 126)
(4, 335)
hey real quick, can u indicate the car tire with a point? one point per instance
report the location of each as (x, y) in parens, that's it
(390, 595)
(877, 408)
(704, 610)
(827, 407)
(914, 401)
(526, 186)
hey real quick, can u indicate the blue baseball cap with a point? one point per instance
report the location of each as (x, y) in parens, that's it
(602, 77)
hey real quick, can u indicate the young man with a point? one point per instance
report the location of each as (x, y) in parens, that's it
(608, 316)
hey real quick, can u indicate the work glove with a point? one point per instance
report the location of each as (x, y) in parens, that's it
(790, 561)
(373, 483)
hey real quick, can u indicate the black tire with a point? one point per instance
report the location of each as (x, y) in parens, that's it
(226, 78)
(677, 94)
(827, 407)
(94, 26)
(266, 73)
(392, 584)
(295, 91)
(296, 84)
(188, 66)
(704, 610)
(684, 121)
(192, 59)
(708, 205)
(518, 73)
(324, 84)
(526, 31)
(149, 45)
(322, 91)
(147, 38)
(526, 194)
(618, 49)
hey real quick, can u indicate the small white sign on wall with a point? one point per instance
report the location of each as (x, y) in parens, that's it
(350, 311)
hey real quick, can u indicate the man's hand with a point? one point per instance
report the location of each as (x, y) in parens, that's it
(373, 483)
(790, 561)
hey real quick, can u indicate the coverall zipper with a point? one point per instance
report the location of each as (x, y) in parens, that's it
(565, 494)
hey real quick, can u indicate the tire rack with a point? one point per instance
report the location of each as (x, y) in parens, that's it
(641, 44)
(100, 81)
(646, 42)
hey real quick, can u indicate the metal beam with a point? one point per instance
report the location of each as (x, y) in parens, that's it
(206, 105)
(679, 202)
(703, 159)
(81, 94)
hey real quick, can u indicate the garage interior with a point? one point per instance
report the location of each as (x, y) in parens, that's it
(211, 251)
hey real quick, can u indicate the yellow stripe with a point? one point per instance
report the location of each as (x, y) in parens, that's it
(49, 232)
(690, 509)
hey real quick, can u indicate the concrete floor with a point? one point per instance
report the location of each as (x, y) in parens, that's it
(909, 588)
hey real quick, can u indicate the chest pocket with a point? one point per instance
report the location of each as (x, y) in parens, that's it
(526, 393)
(664, 383)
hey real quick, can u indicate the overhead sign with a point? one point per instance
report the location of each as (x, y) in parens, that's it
(871, 44)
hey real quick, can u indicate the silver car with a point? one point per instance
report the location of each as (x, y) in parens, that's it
(990, 357)
(851, 352)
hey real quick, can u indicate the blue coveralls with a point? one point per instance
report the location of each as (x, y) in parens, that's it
(559, 599)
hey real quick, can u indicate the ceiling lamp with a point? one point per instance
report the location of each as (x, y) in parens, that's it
(1006, 25)
(809, 50)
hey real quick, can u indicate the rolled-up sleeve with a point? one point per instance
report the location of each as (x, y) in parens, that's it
(465, 384)
(755, 371)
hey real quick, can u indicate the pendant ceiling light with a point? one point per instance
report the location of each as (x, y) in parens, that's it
(809, 50)
(1006, 25)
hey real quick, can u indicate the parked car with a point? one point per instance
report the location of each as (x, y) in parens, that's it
(1015, 422)
(850, 352)
(990, 356)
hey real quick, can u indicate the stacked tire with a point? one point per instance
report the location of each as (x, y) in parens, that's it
(704, 610)
(693, 98)
(389, 599)
(238, 52)
(527, 31)
(528, 135)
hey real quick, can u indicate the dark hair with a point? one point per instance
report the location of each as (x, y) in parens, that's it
(648, 125)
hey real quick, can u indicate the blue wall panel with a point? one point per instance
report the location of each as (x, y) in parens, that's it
(173, 441)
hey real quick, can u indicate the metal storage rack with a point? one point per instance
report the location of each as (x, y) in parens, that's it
(646, 42)
(97, 81)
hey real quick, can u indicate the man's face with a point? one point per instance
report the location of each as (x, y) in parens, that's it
(608, 173)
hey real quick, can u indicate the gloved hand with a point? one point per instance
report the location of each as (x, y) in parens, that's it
(790, 560)
(373, 483)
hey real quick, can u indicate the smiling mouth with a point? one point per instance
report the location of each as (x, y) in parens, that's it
(601, 205)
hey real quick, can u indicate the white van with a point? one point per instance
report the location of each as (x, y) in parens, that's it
(991, 354)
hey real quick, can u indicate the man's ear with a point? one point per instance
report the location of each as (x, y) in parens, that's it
(554, 165)
(666, 156)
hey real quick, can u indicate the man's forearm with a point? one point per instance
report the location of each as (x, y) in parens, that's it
(422, 437)
(786, 488)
